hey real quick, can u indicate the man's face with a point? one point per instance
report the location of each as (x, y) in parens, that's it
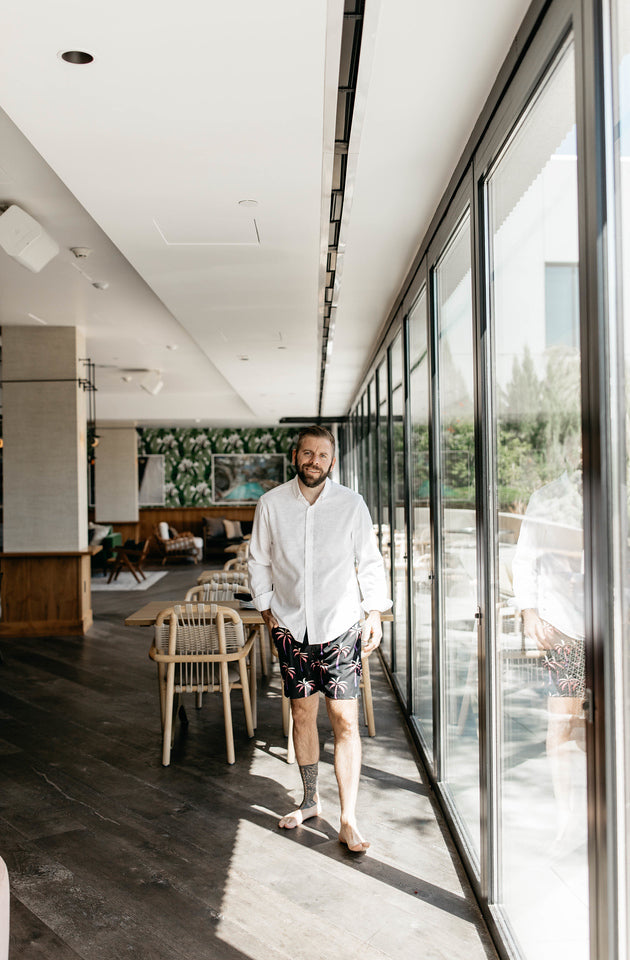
(314, 460)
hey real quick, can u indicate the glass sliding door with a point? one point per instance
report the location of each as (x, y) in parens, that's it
(458, 550)
(532, 222)
(422, 563)
(621, 44)
(372, 498)
(399, 524)
(384, 491)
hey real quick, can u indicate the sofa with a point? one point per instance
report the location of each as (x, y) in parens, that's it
(219, 533)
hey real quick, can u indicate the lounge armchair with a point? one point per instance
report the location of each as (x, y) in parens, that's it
(173, 545)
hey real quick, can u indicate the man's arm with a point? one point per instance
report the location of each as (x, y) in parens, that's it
(369, 564)
(259, 563)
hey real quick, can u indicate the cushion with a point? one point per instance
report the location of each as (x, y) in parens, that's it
(181, 545)
(163, 530)
(98, 532)
(232, 529)
(214, 526)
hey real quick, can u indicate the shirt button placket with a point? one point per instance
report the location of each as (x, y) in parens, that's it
(308, 572)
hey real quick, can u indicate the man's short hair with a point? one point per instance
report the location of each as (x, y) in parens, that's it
(315, 431)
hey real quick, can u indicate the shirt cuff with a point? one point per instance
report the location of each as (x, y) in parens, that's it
(263, 602)
(382, 604)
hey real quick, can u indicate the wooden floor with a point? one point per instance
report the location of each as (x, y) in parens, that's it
(111, 855)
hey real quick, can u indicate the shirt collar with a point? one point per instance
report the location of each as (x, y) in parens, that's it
(300, 496)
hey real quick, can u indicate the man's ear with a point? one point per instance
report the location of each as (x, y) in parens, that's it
(293, 456)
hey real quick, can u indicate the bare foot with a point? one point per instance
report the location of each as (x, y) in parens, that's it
(298, 816)
(352, 838)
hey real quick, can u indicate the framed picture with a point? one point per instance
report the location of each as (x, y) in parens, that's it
(244, 477)
(151, 480)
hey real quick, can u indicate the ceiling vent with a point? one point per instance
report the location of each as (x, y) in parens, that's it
(24, 239)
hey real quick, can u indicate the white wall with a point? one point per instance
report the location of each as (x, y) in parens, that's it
(116, 476)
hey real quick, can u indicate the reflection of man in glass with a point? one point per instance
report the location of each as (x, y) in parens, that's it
(548, 571)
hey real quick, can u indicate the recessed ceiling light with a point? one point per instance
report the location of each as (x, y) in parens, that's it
(243, 358)
(172, 346)
(248, 203)
(77, 56)
(100, 284)
(282, 348)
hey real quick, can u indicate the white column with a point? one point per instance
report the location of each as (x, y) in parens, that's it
(44, 434)
(116, 476)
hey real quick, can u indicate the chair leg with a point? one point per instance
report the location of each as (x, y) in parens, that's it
(290, 744)
(367, 698)
(263, 651)
(168, 715)
(286, 713)
(127, 563)
(162, 691)
(252, 684)
(247, 704)
(227, 713)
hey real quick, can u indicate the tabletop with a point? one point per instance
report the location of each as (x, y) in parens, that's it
(148, 614)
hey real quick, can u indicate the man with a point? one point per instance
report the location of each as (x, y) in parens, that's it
(319, 582)
(548, 579)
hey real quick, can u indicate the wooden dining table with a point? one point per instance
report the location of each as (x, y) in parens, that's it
(148, 614)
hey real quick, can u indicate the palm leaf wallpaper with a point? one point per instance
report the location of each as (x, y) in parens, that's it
(188, 453)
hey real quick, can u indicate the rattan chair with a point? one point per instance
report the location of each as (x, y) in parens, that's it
(216, 591)
(225, 576)
(238, 563)
(194, 646)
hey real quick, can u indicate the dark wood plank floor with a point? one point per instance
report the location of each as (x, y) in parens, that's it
(112, 855)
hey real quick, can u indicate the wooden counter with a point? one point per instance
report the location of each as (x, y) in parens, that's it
(45, 594)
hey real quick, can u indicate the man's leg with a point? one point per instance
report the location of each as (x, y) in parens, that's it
(306, 742)
(345, 723)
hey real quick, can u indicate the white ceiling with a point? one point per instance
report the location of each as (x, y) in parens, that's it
(189, 108)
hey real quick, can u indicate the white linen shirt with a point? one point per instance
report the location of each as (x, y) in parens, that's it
(316, 566)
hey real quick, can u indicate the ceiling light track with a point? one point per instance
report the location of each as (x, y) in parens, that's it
(352, 31)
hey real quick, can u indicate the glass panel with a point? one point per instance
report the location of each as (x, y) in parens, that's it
(622, 149)
(372, 451)
(399, 525)
(385, 529)
(539, 567)
(458, 633)
(364, 466)
(422, 565)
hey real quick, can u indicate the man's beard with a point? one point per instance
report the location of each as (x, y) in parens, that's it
(311, 480)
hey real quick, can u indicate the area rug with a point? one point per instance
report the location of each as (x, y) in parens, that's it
(126, 581)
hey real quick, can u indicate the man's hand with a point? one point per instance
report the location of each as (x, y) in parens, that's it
(372, 633)
(535, 628)
(270, 621)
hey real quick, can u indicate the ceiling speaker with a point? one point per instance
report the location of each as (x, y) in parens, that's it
(153, 382)
(24, 239)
